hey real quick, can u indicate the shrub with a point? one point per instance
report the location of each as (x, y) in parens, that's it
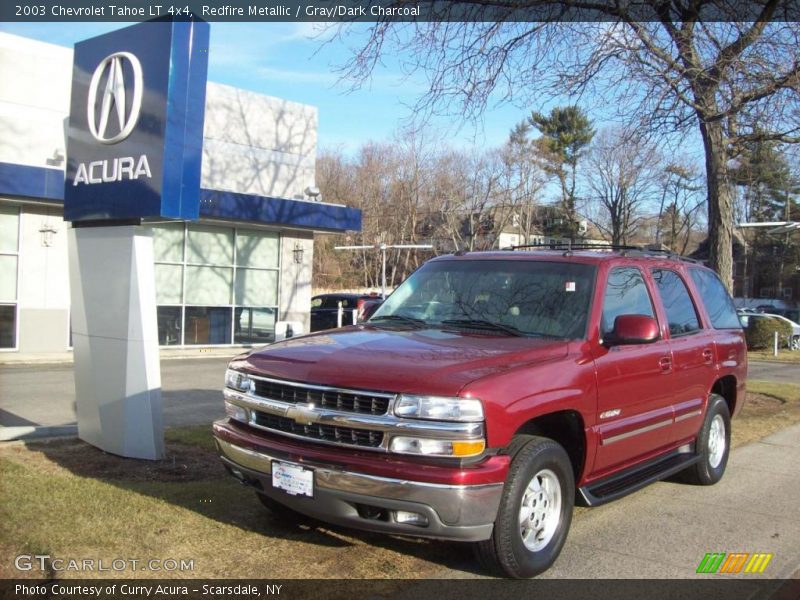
(760, 333)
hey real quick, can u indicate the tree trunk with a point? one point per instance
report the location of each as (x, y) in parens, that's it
(720, 202)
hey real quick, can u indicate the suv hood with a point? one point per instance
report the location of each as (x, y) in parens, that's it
(428, 361)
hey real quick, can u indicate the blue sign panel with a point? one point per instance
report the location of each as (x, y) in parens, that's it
(136, 123)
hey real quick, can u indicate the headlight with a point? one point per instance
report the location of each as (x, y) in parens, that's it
(237, 381)
(236, 412)
(439, 408)
(431, 447)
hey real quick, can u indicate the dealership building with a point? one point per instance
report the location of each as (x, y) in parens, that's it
(223, 280)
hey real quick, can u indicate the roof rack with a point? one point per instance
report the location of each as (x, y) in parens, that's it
(624, 250)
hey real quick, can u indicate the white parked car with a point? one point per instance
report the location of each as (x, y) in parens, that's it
(794, 344)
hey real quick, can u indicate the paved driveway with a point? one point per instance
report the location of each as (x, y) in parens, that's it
(45, 394)
(665, 530)
(774, 371)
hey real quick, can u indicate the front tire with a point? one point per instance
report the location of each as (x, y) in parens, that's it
(713, 444)
(535, 510)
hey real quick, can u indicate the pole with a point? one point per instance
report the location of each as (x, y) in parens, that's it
(383, 271)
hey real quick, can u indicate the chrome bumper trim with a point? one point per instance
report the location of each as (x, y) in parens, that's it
(456, 505)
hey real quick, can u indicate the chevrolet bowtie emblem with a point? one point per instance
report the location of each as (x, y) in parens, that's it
(303, 414)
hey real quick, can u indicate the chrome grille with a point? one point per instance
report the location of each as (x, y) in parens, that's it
(326, 433)
(366, 403)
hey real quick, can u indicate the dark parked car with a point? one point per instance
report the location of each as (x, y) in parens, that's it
(325, 309)
(489, 393)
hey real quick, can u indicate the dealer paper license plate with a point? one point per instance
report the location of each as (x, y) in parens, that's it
(293, 479)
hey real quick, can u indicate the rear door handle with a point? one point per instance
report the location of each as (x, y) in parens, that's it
(708, 356)
(665, 363)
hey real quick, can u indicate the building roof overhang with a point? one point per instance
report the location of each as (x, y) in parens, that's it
(47, 185)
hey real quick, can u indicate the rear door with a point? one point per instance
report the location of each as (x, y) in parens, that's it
(634, 410)
(693, 353)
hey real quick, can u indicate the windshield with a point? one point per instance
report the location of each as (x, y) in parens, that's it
(510, 297)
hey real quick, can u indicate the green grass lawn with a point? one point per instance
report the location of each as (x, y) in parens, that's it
(69, 500)
(784, 355)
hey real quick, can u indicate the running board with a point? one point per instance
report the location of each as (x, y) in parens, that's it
(635, 478)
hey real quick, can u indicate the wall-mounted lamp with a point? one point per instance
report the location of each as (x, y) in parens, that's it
(298, 253)
(56, 159)
(47, 231)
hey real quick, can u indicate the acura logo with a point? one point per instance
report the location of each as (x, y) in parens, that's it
(114, 98)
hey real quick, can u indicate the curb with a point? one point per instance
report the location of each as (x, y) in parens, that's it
(29, 432)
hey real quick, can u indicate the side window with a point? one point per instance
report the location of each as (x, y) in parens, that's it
(626, 294)
(330, 302)
(316, 302)
(681, 314)
(717, 301)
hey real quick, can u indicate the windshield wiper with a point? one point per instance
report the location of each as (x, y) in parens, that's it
(484, 324)
(399, 319)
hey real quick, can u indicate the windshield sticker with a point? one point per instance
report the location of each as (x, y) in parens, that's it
(569, 286)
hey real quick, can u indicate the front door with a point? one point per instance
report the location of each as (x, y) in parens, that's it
(634, 413)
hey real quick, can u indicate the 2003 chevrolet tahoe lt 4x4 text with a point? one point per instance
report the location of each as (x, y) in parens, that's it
(489, 393)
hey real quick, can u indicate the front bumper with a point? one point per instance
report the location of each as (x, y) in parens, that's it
(366, 501)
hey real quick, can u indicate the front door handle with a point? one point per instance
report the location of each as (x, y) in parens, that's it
(666, 364)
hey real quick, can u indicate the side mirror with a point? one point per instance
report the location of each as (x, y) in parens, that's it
(633, 329)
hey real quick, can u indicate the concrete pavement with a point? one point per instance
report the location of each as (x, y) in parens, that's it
(43, 396)
(665, 530)
(774, 371)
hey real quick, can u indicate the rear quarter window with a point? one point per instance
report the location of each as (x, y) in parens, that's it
(716, 299)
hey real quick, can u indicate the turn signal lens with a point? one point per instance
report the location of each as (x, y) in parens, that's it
(471, 448)
(236, 412)
(431, 447)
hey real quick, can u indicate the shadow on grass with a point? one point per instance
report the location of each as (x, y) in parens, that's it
(191, 476)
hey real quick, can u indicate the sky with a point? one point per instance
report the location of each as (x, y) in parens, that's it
(291, 61)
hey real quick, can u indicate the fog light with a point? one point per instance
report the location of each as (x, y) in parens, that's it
(236, 412)
(410, 518)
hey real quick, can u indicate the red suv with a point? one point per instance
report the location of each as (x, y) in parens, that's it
(489, 393)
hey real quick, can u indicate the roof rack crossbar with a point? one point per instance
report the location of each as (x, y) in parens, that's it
(625, 250)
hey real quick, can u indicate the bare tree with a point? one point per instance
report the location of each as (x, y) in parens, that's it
(720, 66)
(622, 171)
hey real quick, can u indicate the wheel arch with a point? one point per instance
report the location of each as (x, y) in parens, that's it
(566, 427)
(726, 387)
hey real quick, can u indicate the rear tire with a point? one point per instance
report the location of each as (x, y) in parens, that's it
(713, 444)
(535, 510)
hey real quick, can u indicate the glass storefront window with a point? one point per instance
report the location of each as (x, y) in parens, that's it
(169, 325)
(208, 285)
(169, 284)
(209, 245)
(168, 242)
(254, 325)
(8, 326)
(8, 278)
(215, 285)
(257, 249)
(255, 287)
(9, 229)
(207, 325)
